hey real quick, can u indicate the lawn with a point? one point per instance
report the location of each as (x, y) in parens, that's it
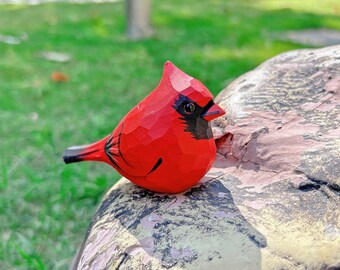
(46, 206)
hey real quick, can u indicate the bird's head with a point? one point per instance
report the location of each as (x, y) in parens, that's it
(192, 101)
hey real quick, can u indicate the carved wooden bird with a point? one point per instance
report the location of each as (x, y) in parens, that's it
(165, 143)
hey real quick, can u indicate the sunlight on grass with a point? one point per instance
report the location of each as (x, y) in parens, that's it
(329, 7)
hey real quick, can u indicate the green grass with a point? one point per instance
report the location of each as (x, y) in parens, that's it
(45, 206)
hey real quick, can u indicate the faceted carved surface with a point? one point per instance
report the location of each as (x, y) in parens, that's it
(165, 142)
(271, 200)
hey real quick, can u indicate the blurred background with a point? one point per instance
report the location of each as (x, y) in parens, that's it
(69, 73)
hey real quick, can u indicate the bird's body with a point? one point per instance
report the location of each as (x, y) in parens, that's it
(165, 142)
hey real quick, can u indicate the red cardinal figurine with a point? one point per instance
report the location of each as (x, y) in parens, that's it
(165, 142)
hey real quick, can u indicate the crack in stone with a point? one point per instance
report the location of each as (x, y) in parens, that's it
(317, 184)
(269, 171)
(324, 101)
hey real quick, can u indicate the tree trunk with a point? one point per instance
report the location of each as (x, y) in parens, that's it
(138, 19)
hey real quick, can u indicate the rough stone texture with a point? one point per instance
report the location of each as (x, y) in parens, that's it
(272, 199)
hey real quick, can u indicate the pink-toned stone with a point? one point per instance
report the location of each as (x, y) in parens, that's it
(145, 246)
(149, 222)
(271, 199)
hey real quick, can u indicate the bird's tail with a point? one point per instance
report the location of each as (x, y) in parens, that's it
(93, 152)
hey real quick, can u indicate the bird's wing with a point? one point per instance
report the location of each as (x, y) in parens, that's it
(113, 148)
(128, 154)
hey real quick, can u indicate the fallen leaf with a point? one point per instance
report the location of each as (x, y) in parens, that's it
(56, 56)
(12, 39)
(59, 77)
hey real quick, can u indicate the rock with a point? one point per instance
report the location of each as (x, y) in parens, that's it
(313, 37)
(272, 199)
(56, 56)
(13, 40)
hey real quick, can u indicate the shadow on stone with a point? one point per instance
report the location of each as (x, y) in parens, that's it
(202, 227)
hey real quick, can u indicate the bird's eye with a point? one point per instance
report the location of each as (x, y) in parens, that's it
(189, 107)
